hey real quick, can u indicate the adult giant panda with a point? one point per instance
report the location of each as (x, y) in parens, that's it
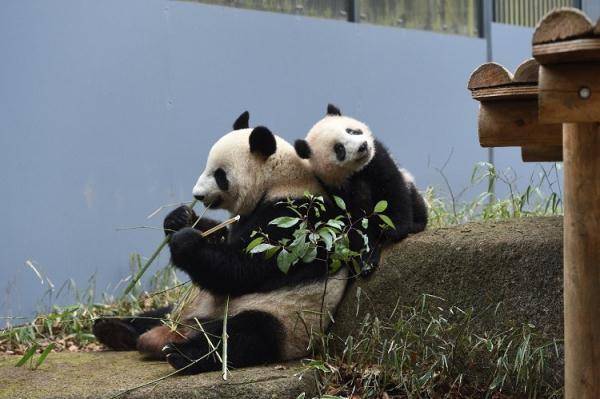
(271, 315)
(353, 165)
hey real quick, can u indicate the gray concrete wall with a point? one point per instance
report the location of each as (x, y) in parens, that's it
(109, 109)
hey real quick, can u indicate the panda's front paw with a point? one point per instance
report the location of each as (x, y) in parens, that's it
(185, 245)
(179, 218)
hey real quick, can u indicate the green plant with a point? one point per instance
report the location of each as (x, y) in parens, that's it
(541, 196)
(430, 349)
(312, 234)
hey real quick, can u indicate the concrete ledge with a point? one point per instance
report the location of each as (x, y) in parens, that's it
(516, 262)
(104, 374)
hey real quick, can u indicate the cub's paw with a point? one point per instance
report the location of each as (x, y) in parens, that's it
(369, 262)
(117, 334)
(185, 358)
(179, 218)
(184, 245)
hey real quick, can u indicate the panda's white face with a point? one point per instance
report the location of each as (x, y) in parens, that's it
(236, 178)
(340, 146)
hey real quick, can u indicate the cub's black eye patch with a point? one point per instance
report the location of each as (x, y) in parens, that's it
(340, 151)
(354, 132)
(221, 178)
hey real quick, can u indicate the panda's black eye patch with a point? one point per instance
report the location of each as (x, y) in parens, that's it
(221, 178)
(340, 151)
(354, 132)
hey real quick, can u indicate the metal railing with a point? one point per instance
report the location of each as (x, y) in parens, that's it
(462, 17)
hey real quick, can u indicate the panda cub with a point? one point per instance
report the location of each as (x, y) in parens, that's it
(270, 314)
(355, 166)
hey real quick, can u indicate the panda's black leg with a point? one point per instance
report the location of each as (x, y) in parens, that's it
(121, 334)
(254, 337)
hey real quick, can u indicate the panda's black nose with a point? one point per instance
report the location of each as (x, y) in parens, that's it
(363, 147)
(199, 197)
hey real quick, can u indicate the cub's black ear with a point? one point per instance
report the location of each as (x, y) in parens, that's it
(333, 110)
(302, 149)
(262, 142)
(242, 121)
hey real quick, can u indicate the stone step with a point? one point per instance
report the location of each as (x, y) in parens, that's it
(101, 375)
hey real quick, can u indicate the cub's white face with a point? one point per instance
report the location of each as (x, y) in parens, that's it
(236, 178)
(340, 146)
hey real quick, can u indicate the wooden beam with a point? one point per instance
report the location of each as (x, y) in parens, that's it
(569, 93)
(542, 153)
(579, 50)
(515, 123)
(562, 24)
(582, 260)
(505, 92)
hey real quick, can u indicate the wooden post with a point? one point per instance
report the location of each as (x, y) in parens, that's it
(567, 46)
(581, 147)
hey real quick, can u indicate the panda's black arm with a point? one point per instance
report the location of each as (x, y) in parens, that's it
(388, 184)
(227, 269)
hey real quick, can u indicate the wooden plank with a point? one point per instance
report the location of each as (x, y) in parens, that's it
(579, 50)
(515, 123)
(489, 75)
(547, 153)
(527, 72)
(562, 24)
(582, 260)
(505, 92)
(569, 93)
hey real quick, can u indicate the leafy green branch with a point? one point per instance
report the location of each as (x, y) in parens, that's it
(314, 235)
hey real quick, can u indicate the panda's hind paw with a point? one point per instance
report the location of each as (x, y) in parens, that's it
(117, 334)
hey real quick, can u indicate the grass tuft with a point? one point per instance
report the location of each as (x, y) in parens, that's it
(434, 350)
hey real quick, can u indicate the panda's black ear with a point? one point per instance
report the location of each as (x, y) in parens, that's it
(242, 122)
(302, 149)
(332, 110)
(262, 142)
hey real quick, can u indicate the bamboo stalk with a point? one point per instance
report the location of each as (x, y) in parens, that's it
(151, 259)
(165, 241)
(224, 340)
(220, 226)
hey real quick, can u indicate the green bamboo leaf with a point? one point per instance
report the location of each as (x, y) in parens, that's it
(284, 260)
(327, 237)
(365, 223)
(261, 248)
(271, 252)
(335, 265)
(254, 243)
(310, 255)
(380, 206)
(27, 355)
(339, 202)
(387, 221)
(285, 221)
(44, 355)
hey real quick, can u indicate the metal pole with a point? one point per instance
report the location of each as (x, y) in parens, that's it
(487, 15)
(354, 11)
